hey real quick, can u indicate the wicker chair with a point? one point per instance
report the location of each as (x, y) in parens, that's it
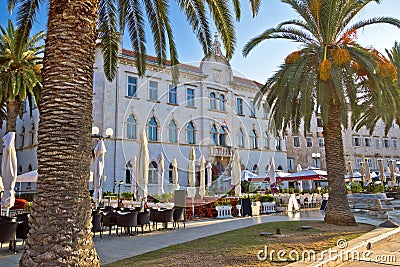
(8, 232)
(127, 221)
(162, 216)
(144, 219)
(97, 225)
(179, 216)
(23, 226)
(110, 220)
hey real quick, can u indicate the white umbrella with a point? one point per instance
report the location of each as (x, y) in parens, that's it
(362, 172)
(161, 174)
(209, 174)
(192, 168)
(142, 167)
(271, 171)
(236, 174)
(28, 177)
(368, 177)
(351, 172)
(299, 168)
(300, 186)
(202, 189)
(98, 171)
(175, 181)
(9, 171)
(133, 178)
(391, 175)
(382, 175)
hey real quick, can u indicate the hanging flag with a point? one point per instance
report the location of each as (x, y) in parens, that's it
(225, 126)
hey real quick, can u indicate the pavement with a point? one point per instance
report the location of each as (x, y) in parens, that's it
(113, 248)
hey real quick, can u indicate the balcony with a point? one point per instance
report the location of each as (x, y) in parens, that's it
(221, 151)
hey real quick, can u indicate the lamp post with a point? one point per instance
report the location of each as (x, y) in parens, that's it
(316, 157)
(96, 135)
(119, 191)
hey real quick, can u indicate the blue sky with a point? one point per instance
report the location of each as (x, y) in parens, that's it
(265, 58)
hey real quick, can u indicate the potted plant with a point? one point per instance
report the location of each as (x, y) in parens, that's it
(224, 208)
(267, 203)
(255, 205)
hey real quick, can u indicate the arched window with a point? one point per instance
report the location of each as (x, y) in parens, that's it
(153, 172)
(128, 172)
(191, 136)
(222, 136)
(172, 132)
(266, 140)
(32, 135)
(221, 102)
(240, 138)
(253, 139)
(214, 134)
(170, 171)
(152, 129)
(131, 127)
(30, 168)
(212, 101)
(20, 169)
(255, 169)
(22, 137)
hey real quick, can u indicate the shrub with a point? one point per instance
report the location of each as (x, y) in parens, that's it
(267, 198)
(356, 187)
(127, 195)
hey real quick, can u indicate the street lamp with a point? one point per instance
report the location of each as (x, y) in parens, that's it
(316, 157)
(119, 191)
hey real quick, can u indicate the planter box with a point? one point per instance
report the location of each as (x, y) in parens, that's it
(255, 208)
(268, 207)
(224, 212)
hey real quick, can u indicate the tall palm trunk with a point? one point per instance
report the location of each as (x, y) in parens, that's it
(338, 211)
(12, 114)
(60, 232)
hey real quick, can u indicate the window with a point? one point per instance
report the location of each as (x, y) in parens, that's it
(32, 135)
(266, 140)
(296, 141)
(131, 127)
(213, 101)
(153, 88)
(321, 142)
(240, 138)
(356, 141)
(369, 162)
(252, 109)
(319, 122)
(190, 97)
(358, 163)
(127, 176)
(388, 162)
(22, 137)
(222, 136)
(386, 143)
(214, 134)
(239, 106)
(255, 169)
(152, 130)
(278, 143)
(221, 102)
(253, 139)
(132, 86)
(377, 142)
(170, 171)
(153, 173)
(172, 132)
(172, 96)
(367, 142)
(309, 141)
(290, 163)
(394, 142)
(30, 168)
(191, 136)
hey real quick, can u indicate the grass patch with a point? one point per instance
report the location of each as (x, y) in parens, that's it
(240, 247)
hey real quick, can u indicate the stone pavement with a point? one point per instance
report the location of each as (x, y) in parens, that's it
(113, 248)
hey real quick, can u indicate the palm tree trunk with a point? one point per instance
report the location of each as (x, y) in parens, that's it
(338, 211)
(60, 232)
(12, 114)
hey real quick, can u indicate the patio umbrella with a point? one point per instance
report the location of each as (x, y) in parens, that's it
(272, 174)
(133, 178)
(161, 174)
(191, 168)
(202, 189)
(235, 181)
(175, 181)
(300, 186)
(209, 174)
(98, 171)
(368, 177)
(382, 175)
(299, 168)
(9, 171)
(362, 172)
(351, 172)
(392, 176)
(142, 167)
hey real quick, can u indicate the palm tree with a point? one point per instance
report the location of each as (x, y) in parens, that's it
(20, 74)
(394, 57)
(330, 74)
(60, 233)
